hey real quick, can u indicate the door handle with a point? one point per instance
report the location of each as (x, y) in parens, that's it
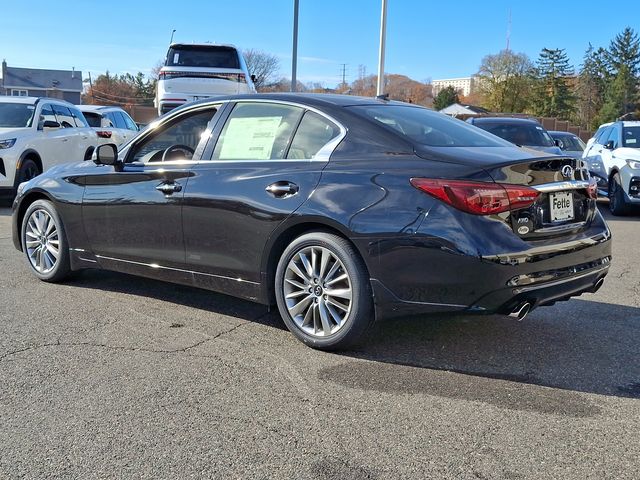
(282, 189)
(169, 188)
(65, 139)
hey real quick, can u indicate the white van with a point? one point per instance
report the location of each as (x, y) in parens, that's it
(193, 71)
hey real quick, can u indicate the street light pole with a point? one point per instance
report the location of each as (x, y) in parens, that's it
(172, 32)
(294, 60)
(383, 34)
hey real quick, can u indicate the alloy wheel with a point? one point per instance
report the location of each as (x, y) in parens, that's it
(41, 241)
(317, 291)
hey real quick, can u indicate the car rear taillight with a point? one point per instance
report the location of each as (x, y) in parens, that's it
(104, 134)
(592, 189)
(478, 198)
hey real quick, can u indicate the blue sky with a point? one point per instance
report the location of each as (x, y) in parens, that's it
(425, 39)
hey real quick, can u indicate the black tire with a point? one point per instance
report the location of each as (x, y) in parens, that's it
(61, 268)
(28, 170)
(617, 203)
(322, 306)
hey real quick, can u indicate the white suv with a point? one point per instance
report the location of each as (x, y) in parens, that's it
(112, 124)
(193, 71)
(37, 133)
(614, 159)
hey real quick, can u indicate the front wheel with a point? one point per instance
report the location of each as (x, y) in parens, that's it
(28, 170)
(617, 203)
(44, 242)
(323, 291)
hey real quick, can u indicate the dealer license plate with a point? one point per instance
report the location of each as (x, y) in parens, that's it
(561, 206)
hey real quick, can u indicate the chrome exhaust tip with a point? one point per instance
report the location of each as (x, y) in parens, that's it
(521, 311)
(597, 285)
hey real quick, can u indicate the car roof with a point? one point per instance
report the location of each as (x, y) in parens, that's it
(311, 99)
(194, 44)
(561, 134)
(97, 108)
(32, 100)
(507, 120)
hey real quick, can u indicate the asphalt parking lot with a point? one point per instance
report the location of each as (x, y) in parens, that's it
(111, 376)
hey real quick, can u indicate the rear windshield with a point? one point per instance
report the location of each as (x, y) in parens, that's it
(631, 137)
(16, 115)
(569, 143)
(521, 134)
(207, 57)
(427, 127)
(93, 119)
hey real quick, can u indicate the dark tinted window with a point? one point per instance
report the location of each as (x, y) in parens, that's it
(631, 137)
(569, 143)
(200, 56)
(314, 132)
(78, 118)
(257, 131)
(428, 128)
(15, 115)
(94, 119)
(519, 133)
(63, 114)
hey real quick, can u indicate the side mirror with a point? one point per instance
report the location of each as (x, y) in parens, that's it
(106, 154)
(49, 124)
(558, 143)
(253, 78)
(609, 145)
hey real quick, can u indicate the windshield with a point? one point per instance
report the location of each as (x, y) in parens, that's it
(199, 56)
(631, 137)
(16, 115)
(520, 133)
(569, 143)
(427, 127)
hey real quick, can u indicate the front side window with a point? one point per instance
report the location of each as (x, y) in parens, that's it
(631, 137)
(257, 131)
(177, 140)
(427, 127)
(602, 134)
(314, 132)
(118, 120)
(46, 114)
(63, 114)
(15, 115)
(131, 125)
(614, 136)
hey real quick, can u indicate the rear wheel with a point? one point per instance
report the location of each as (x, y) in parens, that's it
(323, 291)
(617, 202)
(44, 242)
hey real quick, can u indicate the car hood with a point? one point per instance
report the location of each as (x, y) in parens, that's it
(11, 132)
(628, 153)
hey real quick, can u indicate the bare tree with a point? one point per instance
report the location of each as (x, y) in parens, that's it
(263, 65)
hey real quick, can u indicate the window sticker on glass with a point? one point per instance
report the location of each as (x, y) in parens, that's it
(250, 138)
(176, 57)
(631, 141)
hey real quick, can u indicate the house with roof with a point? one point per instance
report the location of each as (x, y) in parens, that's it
(35, 82)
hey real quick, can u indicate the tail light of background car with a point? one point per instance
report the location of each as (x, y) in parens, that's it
(235, 77)
(478, 198)
(104, 133)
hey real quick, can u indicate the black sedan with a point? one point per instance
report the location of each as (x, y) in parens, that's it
(341, 210)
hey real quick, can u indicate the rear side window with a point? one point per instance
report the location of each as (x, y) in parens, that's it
(427, 127)
(94, 119)
(65, 119)
(314, 132)
(257, 131)
(203, 56)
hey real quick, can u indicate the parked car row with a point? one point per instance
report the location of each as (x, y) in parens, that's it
(338, 209)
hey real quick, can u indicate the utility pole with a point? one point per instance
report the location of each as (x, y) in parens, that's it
(509, 30)
(344, 73)
(294, 59)
(383, 34)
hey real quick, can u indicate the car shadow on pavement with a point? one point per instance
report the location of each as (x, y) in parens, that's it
(578, 345)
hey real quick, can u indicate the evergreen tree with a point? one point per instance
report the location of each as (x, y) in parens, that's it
(616, 96)
(623, 59)
(590, 87)
(445, 97)
(553, 96)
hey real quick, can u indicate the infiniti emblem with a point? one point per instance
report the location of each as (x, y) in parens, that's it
(567, 171)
